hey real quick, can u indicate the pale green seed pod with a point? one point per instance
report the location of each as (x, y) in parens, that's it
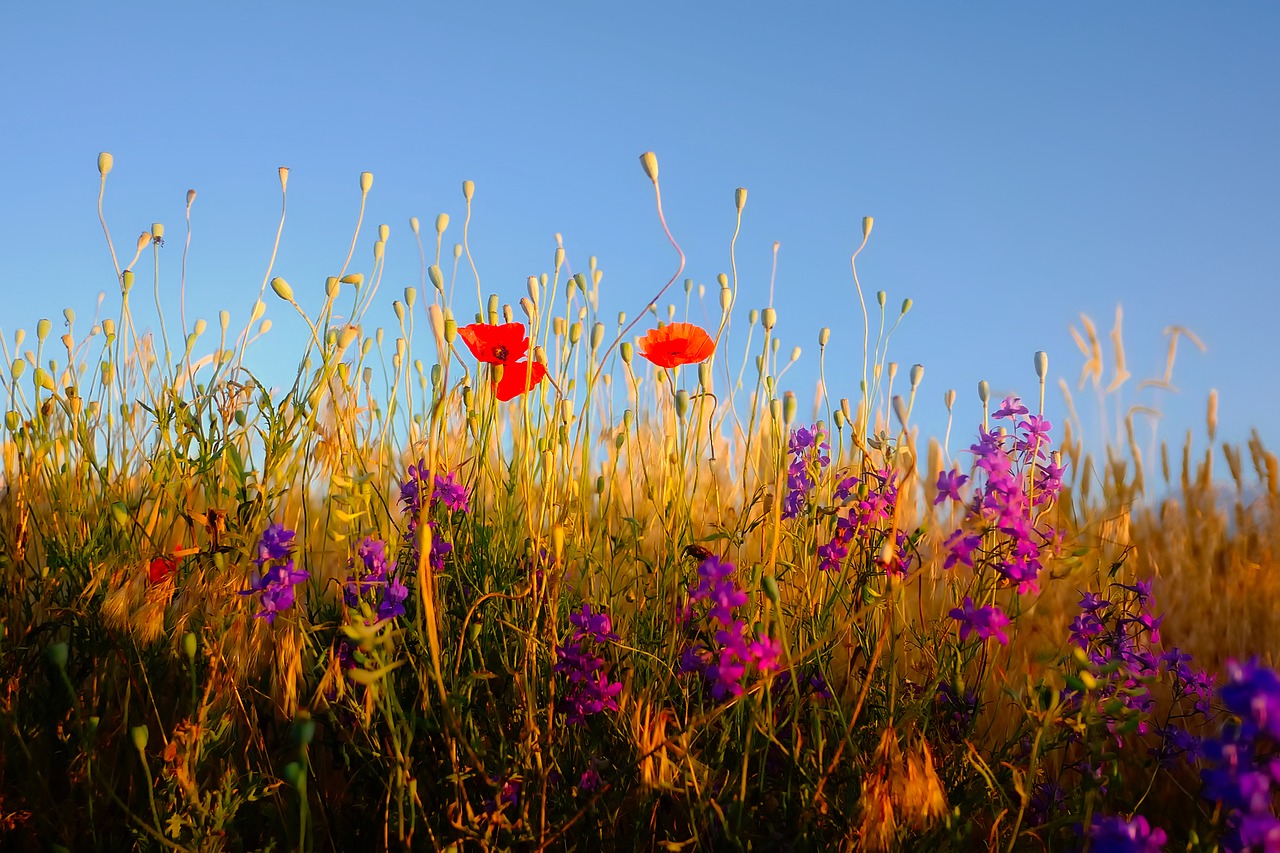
(881, 297)
(259, 308)
(682, 404)
(347, 336)
(575, 332)
(626, 350)
(43, 327)
(622, 319)
(534, 289)
(867, 223)
(282, 289)
(437, 277)
(493, 304)
(789, 408)
(726, 299)
(189, 639)
(410, 296)
(450, 330)
(688, 286)
(1042, 364)
(770, 586)
(775, 410)
(468, 190)
(984, 392)
(840, 419)
(704, 374)
(366, 181)
(12, 420)
(559, 257)
(722, 279)
(917, 374)
(107, 369)
(126, 281)
(649, 162)
(43, 379)
(139, 735)
(58, 655)
(740, 198)
(824, 335)
(457, 251)
(157, 231)
(795, 354)
(628, 419)
(906, 306)
(597, 336)
(759, 365)
(398, 307)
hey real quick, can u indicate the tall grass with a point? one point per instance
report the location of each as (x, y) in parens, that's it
(634, 607)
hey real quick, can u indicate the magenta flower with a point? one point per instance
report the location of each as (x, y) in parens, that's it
(949, 484)
(986, 622)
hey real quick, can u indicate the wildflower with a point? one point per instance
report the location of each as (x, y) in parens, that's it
(986, 622)
(590, 691)
(161, 568)
(677, 344)
(275, 584)
(451, 493)
(949, 484)
(960, 547)
(766, 652)
(1114, 834)
(505, 347)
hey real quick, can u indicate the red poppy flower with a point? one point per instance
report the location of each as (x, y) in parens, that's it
(161, 568)
(507, 347)
(676, 344)
(496, 344)
(512, 384)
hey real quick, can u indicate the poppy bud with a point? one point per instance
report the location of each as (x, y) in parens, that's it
(824, 335)
(126, 281)
(949, 398)
(366, 181)
(282, 289)
(442, 222)
(140, 735)
(900, 409)
(526, 305)
(534, 289)
(559, 257)
(626, 351)
(788, 408)
(775, 410)
(906, 306)
(410, 296)
(753, 315)
(283, 172)
(413, 225)
(468, 190)
(704, 374)
(597, 336)
(1042, 364)
(649, 162)
(740, 198)
(379, 248)
(682, 403)
(331, 287)
(384, 231)
(58, 655)
(917, 373)
(984, 392)
(105, 162)
(437, 278)
(770, 585)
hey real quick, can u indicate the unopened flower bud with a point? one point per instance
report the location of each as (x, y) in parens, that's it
(788, 408)
(437, 277)
(824, 335)
(384, 231)
(282, 289)
(1042, 364)
(126, 281)
(649, 162)
(906, 306)
(140, 735)
(867, 223)
(157, 230)
(984, 392)
(917, 373)
(740, 198)
(770, 319)
(356, 278)
(682, 403)
(626, 351)
(468, 190)
(105, 162)
(366, 181)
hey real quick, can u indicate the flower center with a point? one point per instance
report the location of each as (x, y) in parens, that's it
(501, 353)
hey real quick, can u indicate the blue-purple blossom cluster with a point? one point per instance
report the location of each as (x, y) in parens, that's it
(725, 662)
(448, 492)
(986, 622)
(373, 574)
(579, 659)
(1243, 764)
(810, 455)
(1017, 477)
(1114, 834)
(275, 576)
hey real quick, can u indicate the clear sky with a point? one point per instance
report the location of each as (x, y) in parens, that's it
(1023, 162)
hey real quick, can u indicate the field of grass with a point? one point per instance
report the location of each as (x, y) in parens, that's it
(547, 576)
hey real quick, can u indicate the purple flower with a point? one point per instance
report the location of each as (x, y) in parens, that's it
(766, 652)
(960, 547)
(1114, 834)
(1010, 408)
(450, 492)
(986, 622)
(949, 484)
(274, 586)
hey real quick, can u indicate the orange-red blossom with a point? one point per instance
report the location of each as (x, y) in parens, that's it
(676, 344)
(506, 346)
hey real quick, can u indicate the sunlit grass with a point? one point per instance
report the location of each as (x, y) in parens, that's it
(781, 662)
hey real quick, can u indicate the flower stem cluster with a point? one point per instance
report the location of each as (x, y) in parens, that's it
(448, 492)
(1017, 479)
(275, 576)
(810, 455)
(725, 662)
(590, 691)
(375, 575)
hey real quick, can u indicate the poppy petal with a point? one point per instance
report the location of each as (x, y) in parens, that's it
(512, 383)
(495, 344)
(677, 344)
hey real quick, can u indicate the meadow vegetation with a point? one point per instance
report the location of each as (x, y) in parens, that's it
(547, 576)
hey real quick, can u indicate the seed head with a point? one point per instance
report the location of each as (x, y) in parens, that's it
(649, 162)
(282, 289)
(366, 181)
(105, 162)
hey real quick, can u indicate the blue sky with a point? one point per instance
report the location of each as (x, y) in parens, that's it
(1023, 162)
